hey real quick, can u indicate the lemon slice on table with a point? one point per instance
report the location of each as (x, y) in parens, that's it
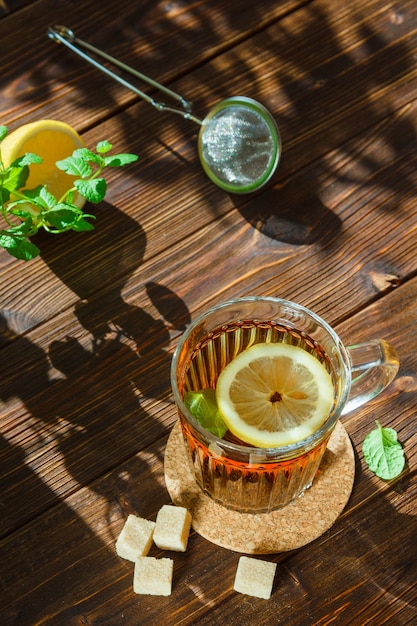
(274, 394)
(53, 141)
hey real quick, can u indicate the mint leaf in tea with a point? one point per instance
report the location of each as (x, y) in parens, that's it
(203, 407)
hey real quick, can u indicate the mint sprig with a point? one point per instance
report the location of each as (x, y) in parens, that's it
(26, 211)
(383, 452)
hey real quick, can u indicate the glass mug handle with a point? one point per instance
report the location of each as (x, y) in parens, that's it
(374, 365)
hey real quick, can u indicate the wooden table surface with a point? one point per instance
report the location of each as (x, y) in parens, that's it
(88, 328)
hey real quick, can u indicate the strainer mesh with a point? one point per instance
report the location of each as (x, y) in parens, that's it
(237, 145)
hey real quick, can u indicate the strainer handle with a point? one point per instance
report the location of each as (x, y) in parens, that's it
(64, 35)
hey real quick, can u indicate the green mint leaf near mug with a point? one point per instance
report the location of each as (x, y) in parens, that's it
(383, 452)
(203, 407)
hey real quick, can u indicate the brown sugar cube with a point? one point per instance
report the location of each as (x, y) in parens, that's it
(172, 528)
(255, 577)
(153, 576)
(135, 539)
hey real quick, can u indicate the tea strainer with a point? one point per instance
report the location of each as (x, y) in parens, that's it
(238, 144)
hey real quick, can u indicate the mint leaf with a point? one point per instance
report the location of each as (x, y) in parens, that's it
(4, 195)
(203, 407)
(93, 190)
(27, 159)
(86, 155)
(383, 453)
(39, 197)
(3, 132)
(103, 146)
(47, 198)
(119, 159)
(62, 216)
(82, 225)
(14, 177)
(22, 209)
(21, 230)
(42, 197)
(75, 166)
(19, 246)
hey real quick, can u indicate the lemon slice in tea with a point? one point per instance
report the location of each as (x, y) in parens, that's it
(274, 394)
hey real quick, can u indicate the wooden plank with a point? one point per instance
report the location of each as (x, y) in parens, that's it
(10, 6)
(74, 541)
(172, 184)
(332, 211)
(85, 404)
(298, 80)
(77, 353)
(80, 392)
(39, 79)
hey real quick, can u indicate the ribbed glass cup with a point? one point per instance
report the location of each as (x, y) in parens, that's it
(243, 477)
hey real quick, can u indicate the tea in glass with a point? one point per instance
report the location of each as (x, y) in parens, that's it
(243, 476)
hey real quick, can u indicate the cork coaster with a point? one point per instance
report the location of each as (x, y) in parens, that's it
(291, 527)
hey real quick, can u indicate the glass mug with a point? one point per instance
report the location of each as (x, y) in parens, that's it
(258, 480)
